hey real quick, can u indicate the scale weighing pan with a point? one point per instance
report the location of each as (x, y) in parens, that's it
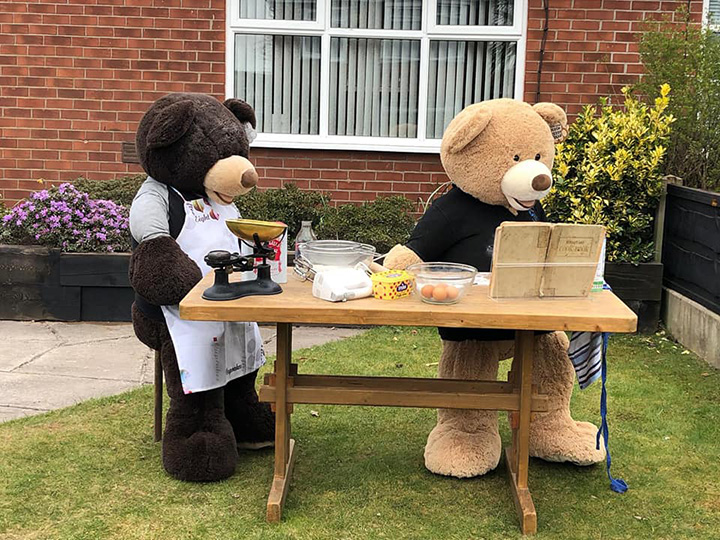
(248, 228)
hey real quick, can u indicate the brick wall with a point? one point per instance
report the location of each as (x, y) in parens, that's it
(77, 75)
(591, 49)
(351, 176)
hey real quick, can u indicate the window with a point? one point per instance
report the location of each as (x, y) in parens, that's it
(370, 74)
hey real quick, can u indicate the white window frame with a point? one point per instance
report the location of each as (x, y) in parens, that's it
(429, 31)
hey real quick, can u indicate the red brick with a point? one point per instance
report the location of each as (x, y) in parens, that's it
(362, 175)
(389, 176)
(613, 47)
(323, 184)
(353, 186)
(279, 173)
(302, 173)
(295, 163)
(336, 175)
(325, 164)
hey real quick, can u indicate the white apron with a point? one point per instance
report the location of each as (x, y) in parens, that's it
(210, 354)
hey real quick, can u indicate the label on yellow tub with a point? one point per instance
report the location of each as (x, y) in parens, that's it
(392, 284)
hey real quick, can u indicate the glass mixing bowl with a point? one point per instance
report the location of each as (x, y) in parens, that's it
(333, 253)
(442, 283)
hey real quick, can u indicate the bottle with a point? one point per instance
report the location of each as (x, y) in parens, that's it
(305, 235)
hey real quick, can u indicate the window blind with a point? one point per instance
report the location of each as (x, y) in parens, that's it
(475, 12)
(464, 72)
(280, 77)
(374, 87)
(287, 10)
(377, 14)
(714, 10)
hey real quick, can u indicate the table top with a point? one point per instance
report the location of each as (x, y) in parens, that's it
(600, 311)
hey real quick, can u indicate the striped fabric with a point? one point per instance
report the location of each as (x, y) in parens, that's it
(586, 355)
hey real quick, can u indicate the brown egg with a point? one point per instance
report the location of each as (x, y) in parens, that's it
(440, 293)
(452, 292)
(427, 291)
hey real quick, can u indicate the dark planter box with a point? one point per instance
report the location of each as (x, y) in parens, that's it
(640, 287)
(691, 244)
(37, 283)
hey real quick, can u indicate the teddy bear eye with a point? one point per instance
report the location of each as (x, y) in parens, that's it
(537, 157)
(516, 158)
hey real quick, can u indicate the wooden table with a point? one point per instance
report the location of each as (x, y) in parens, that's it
(601, 311)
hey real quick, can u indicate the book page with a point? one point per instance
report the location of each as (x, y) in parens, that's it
(572, 258)
(518, 253)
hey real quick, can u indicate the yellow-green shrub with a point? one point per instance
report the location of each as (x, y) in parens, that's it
(609, 171)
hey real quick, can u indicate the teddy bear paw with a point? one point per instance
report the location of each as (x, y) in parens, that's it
(451, 452)
(257, 429)
(204, 452)
(569, 441)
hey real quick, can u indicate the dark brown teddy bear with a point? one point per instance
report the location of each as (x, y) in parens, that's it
(194, 150)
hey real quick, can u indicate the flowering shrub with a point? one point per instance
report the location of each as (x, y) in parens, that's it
(65, 218)
(609, 171)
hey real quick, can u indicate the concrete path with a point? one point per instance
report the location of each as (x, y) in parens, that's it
(49, 365)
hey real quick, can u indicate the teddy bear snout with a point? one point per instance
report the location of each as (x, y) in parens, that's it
(229, 178)
(525, 183)
(541, 182)
(249, 178)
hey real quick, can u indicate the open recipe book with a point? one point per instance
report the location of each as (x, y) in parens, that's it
(545, 259)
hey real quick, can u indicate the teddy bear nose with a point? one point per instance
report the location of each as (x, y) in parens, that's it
(541, 182)
(249, 178)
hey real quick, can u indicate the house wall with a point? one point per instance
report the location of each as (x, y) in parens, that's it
(76, 77)
(591, 47)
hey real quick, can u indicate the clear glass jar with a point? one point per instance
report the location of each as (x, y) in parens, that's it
(306, 234)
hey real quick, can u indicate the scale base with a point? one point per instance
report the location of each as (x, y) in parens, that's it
(261, 286)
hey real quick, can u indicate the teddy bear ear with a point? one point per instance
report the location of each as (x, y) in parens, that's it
(241, 110)
(555, 118)
(463, 129)
(171, 124)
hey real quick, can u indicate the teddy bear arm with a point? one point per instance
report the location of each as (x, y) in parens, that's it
(161, 272)
(400, 257)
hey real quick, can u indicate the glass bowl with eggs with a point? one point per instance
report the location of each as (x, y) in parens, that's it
(441, 282)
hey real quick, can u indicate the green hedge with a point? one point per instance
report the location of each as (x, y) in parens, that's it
(119, 190)
(383, 223)
(288, 204)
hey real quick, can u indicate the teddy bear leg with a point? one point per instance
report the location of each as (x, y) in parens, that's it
(554, 435)
(198, 443)
(465, 443)
(253, 422)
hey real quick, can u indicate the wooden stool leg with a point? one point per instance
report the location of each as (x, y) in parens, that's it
(158, 396)
(284, 445)
(518, 457)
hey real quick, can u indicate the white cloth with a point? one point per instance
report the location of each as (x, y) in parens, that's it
(210, 354)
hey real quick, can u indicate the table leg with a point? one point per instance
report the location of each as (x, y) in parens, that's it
(284, 445)
(518, 456)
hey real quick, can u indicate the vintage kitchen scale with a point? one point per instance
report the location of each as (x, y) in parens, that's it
(256, 235)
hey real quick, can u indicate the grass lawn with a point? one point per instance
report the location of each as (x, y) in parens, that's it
(92, 471)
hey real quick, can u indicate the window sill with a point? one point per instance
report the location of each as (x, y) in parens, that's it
(360, 144)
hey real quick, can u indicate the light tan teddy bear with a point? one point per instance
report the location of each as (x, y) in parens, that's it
(498, 155)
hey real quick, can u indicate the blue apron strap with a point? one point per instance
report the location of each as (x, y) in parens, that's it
(616, 484)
